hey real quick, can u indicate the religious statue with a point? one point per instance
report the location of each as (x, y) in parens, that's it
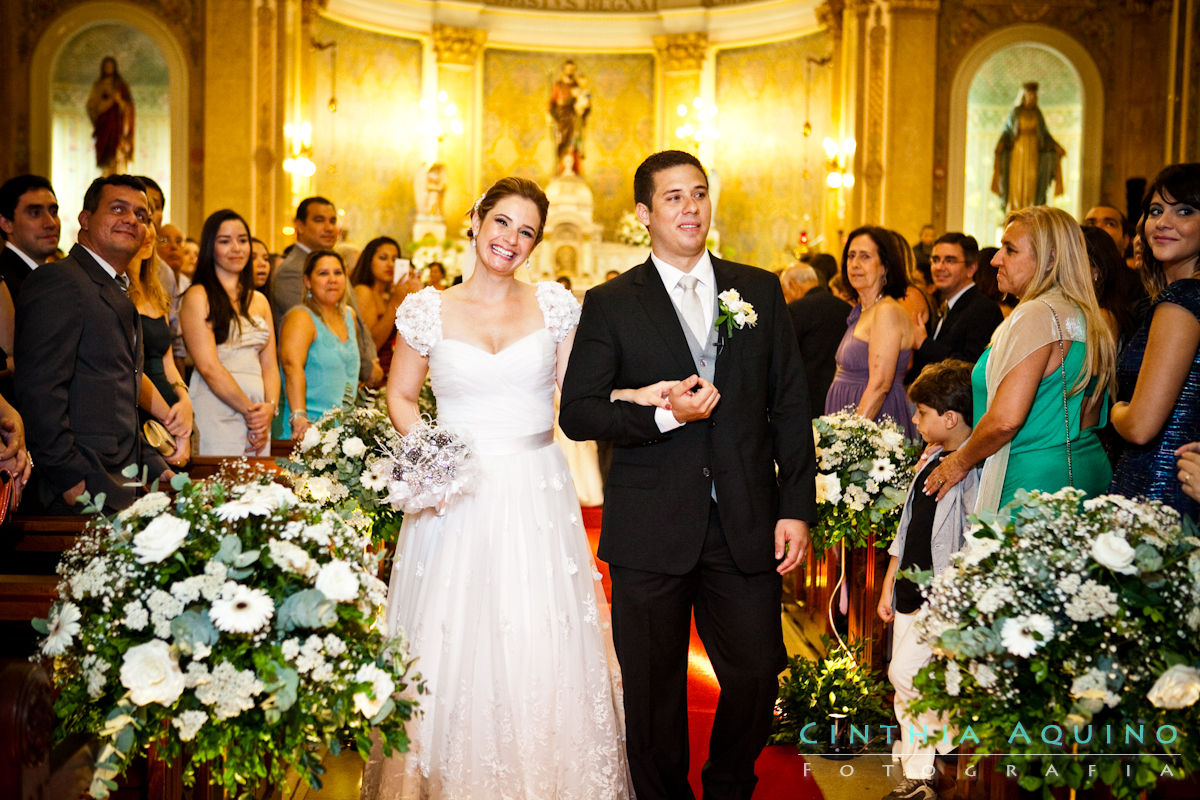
(570, 104)
(429, 187)
(110, 107)
(1027, 157)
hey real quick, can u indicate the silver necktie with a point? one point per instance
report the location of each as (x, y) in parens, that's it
(692, 309)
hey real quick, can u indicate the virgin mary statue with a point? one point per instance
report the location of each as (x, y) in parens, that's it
(1027, 157)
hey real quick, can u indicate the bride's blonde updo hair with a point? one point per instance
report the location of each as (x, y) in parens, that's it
(507, 187)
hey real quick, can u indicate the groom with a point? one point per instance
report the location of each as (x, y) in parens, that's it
(695, 517)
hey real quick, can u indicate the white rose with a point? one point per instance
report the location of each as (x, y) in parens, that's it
(1112, 551)
(381, 685)
(354, 447)
(312, 438)
(151, 674)
(318, 488)
(337, 581)
(160, 539)
(1178, 687)
(829, 488)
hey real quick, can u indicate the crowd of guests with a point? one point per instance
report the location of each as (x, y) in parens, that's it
(1069, 356)
(142, 345)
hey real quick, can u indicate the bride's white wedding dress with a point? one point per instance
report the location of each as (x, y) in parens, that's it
(499, 596)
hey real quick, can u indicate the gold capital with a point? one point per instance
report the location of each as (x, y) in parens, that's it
(682, 52)
(455, 45)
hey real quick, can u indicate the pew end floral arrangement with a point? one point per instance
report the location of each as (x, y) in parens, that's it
(864, 469)
(1062, 629)
(232, 625)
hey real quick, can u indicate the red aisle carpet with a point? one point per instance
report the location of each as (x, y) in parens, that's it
(780, 769)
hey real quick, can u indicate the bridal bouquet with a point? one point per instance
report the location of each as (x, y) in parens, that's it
(864, 469)
(1073, 628)
(342, 462)
(428, 467)
(233, 625)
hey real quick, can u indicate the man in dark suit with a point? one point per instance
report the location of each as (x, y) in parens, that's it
(819, 320)
(79, 356)
(695, 517)
(965, 322)
(30, 225)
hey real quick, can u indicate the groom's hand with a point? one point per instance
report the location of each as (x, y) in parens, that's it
(791, 544)
(693, 398)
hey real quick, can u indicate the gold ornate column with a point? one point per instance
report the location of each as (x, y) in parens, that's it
(680, 63)
(892, 94)
(230, 45)
(268, 187)
(458, 52)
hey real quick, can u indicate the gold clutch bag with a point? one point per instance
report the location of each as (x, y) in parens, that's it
(158, 437)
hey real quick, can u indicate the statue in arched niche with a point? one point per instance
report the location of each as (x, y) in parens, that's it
(111, 110)
(1027, 157)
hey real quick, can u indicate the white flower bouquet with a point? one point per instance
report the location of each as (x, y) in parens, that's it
(1069, 629)
(632, 232)
(233, 625)
(428, 467)
(864, 469)
(342, 461)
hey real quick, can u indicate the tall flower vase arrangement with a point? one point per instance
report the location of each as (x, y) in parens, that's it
(232, 625)
(863, 472)
(1067, 639)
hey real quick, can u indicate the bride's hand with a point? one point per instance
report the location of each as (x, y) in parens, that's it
(653, 395)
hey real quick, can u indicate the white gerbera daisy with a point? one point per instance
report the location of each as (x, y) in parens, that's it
(1022, 636)
(241, 609)
(882, 470)
(64, 624)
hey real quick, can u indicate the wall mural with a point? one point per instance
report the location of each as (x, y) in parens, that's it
(772, 177)
(519, 133)
(366, 151)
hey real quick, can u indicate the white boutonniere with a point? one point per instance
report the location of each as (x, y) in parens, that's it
(733, 312)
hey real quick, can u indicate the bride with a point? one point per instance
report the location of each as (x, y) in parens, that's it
(498, 593)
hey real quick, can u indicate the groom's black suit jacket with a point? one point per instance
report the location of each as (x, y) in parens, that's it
(658, 493)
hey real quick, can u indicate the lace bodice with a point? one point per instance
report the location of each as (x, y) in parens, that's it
(491, 395)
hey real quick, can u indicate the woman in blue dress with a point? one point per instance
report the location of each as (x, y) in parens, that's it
(317, 345)
(1159, 373)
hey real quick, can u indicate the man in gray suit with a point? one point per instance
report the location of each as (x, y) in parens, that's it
(316, 227)
(79, 351)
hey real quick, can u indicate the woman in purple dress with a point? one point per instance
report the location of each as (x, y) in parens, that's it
(874, 353)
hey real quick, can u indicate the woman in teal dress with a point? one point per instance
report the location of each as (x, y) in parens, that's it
(317, 345)
(1040, 389)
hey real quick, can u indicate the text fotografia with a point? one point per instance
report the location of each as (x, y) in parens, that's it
(1051, 734)
(1010, 770)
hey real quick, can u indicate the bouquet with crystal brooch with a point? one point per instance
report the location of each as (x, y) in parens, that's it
(428, 467)
(1066, 637)
(232, 625)
(863, 472)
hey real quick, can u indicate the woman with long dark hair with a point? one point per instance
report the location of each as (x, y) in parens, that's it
(228, 332)
(379, 293)
(1159, 372)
